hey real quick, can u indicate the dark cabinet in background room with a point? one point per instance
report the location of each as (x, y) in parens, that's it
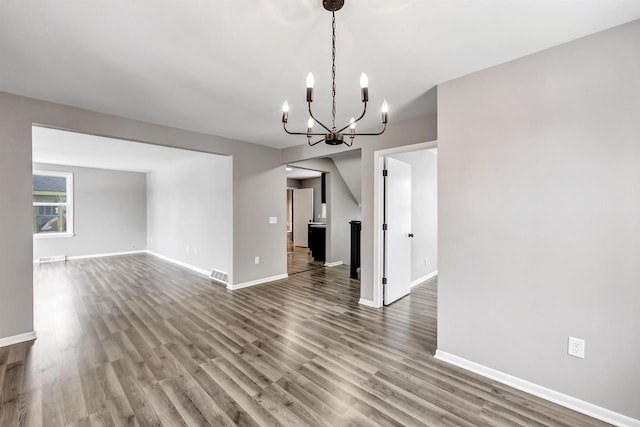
(317, 239)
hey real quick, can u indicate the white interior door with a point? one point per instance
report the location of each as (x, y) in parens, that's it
(398, 234)
(302, 215)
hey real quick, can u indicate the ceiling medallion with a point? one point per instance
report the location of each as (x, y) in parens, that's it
(332, 135)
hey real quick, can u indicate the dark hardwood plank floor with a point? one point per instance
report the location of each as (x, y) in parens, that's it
(135, 341)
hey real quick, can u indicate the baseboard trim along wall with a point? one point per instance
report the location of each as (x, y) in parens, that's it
(367, 303)
(578, 405)
(333, 264)
(17, 339)
(257, 282)
(424, 278)
(71, 258)
(180, 263)
(74, 257)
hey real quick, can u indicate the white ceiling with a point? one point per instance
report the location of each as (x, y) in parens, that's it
(76, 149)
(225, 66)
(300, 173)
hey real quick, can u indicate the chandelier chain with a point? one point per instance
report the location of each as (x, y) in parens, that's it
(333, 68)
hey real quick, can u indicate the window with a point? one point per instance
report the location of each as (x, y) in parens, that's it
(52, 204)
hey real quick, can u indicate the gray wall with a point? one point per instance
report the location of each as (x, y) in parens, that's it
(341, 208)
(350, 166)
(424, 210)
(257, 195)
(539, 173)
(189, 206)
(400, 133)
(109, 213)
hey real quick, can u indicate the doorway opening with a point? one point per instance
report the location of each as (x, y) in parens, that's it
(405, 215)
(130, 198)
(306, 219)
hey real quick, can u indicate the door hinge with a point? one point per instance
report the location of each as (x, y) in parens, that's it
(384, 280)
(385, 172)
(384, 227)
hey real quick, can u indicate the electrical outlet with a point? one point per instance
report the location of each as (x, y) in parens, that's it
(256, 260)
(576, 347)
(426, 261)
(273, 220)
(187, 249)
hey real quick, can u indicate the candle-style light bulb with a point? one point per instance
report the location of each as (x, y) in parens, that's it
(364, 85)
(352, 124)
(285, 112)
(310, 124)
(385, 111)
(364, 80)
(310, 83)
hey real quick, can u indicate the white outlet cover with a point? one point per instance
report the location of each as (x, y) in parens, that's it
(257, 260)
(576, 347)
(273, 220)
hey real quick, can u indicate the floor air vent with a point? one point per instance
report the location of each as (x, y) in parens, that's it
(219, 276)
(55, 258)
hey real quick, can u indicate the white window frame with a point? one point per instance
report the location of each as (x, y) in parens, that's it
(68, 205)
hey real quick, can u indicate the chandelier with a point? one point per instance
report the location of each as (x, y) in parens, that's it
(332, 135)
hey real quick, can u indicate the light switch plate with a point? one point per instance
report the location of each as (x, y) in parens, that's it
(273, 220)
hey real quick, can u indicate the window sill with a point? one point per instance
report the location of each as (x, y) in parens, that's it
(52, 235)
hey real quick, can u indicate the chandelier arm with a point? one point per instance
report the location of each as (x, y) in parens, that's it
(347, 144)
(384, 127)
(318, 121)
(300, 133)
(364, 111)
(317, 142)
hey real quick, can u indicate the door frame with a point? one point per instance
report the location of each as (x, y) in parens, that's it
(378, 211)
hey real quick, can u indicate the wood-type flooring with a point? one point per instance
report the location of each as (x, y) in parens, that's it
(300, 259)
(135, 341)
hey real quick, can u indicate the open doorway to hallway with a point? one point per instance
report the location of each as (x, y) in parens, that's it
(334, 213)
(306, 219)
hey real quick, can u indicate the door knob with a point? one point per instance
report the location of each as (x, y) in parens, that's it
(410, 234)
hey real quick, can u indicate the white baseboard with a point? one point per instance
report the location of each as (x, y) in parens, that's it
(180, 263)
(17, 339)
(367, 303)
(561, 399)
(333, 264)
(424, 278)
(257, 282)
(75, 257)
(71, 258)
